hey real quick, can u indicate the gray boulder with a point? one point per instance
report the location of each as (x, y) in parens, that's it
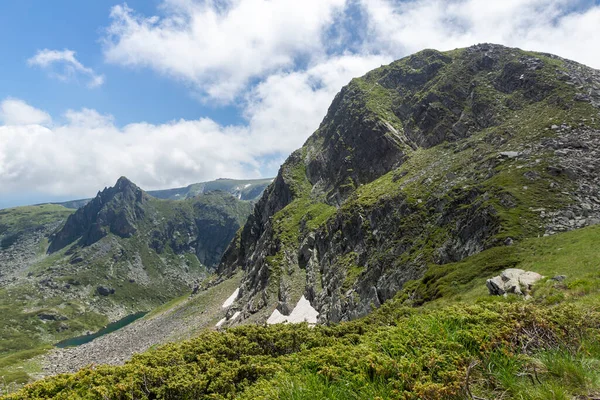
(105, 291)
(512, 280)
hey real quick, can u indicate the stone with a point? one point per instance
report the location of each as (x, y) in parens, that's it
(105, 291)
(51, 316)
(559, 278)
(513, 280)
(528, 278)
(509, 154)
(495, 286)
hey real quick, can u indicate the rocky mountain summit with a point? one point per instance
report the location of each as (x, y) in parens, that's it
(422, 162)
(114, 210)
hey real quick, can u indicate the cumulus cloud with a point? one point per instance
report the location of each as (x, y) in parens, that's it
(222, 47)
(563, 27)
(219, 46)
(280, 62)
(17, 112)
(65, 66)
(89, 151)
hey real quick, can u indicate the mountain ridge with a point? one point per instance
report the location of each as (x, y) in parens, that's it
(249, 189)
(413, 124)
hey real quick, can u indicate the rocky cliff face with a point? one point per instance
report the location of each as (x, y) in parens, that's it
(425, 161)
(114, 210)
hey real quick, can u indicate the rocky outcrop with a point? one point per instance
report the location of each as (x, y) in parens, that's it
(124, 252)
(115, 210)
(513, 280)
(105, 291)
(428, 160)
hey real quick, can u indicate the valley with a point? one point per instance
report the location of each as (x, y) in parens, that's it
(67, 272)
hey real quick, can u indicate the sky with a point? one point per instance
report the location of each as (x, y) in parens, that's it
(173, 92)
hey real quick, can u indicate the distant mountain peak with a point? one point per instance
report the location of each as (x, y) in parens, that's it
(115, 209)
(123, 182)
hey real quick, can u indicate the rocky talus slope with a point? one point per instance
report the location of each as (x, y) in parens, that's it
(420, 163)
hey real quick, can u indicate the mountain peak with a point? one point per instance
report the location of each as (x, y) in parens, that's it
(115, 209)
(123, 181)
(407, 169)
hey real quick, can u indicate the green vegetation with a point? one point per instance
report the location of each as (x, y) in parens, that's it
(575, 254)
(150, 268)
(24, 218)
(461, 340)
(455, 192)
(14, 222)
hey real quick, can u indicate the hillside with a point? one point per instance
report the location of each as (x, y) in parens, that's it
(464, 345)
(420, 163)
(249, 189)
(426, 177)
(66, 272)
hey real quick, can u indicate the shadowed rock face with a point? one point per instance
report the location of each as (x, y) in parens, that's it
(492, 105)
(115, 210)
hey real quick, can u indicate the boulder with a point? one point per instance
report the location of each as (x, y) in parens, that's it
(495, 286)
(105, 291)
(513, 280)
(51, 316)
(527, 279)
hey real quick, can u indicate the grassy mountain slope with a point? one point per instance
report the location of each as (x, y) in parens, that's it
(123, 252)
(546, 348)
(418, 164)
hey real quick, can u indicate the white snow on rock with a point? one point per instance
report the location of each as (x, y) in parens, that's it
(247, 185)
(235, 315)
(303, 312)
(221, 322)
(231, 298)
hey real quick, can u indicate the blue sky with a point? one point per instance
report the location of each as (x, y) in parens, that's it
(130, 95)
(172, 92)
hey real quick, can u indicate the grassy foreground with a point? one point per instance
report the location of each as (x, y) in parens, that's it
(460, 344)
(523, 351)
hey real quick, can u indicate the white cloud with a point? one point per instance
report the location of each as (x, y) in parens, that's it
(281, 62)
(69, 68)
(88, 151)
(219, 46)
(17, 112)
(286, 108)
(222, 47)
(556, 26)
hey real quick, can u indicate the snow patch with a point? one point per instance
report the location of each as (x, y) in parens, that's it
(231, 298)
(247, 185)
(221, 322)
(276, 318)
(235, 315)
(303, 312)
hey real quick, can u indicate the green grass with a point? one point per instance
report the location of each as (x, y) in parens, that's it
(545, 348)
(396, 353)
(575, 254)
(514, 349)
(20, 219)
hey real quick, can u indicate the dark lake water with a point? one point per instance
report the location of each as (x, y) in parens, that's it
(79, 340)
